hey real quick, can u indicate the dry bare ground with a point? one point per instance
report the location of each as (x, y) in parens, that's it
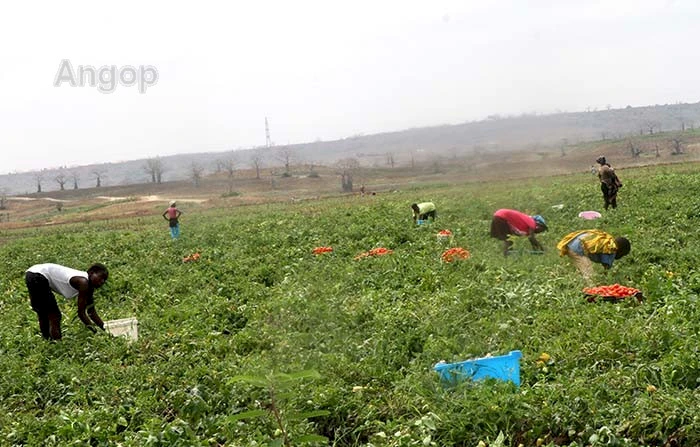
(217, 191)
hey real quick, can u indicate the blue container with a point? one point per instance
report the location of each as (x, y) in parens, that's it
(504, 367)
(422, 221)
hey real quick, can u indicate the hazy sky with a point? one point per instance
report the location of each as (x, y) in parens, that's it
(321, 69)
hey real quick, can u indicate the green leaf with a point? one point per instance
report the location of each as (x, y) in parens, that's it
(307, 415)
(307, 374)
(252, 380)
(247, 415)
(500, 439)
(312, 438)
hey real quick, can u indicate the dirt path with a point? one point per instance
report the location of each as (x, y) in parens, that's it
(112, 199)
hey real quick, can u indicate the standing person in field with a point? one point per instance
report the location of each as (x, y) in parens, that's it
(609, 182)
(507, 222)
(172, 215)
(423, 211)
(44, 279)
(585, 247)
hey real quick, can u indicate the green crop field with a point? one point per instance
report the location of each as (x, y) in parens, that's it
(261, 342)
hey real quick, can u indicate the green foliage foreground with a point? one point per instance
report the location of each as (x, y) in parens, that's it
(262, 343)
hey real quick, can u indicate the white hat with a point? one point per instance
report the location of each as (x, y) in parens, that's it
(172, 203)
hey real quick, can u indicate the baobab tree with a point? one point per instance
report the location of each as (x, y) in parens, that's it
(196, 173)
(3, 198)
(99, 175)
(155, 168)
(285, 156)
(346, 169)
(61, 179)
(228, 165)
(634, 149)
(38, 178)
(75, 176)
(677, 145)
(390, 159)
(256, 161)
(564, 144)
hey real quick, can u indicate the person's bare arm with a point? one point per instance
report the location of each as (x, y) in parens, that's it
(534, 242)
(86, 304)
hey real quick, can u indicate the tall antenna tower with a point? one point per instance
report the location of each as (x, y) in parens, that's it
(268, 141)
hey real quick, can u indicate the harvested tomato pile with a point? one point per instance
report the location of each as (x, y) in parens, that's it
(444, 233)
(612, 292)
(381, 251)
(321, 250)
(454, 254)
(192, 257)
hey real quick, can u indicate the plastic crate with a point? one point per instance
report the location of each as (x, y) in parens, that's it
(126, 327)
(503, 367)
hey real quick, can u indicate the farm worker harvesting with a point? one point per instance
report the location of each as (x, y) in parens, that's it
(506, 222)
(172, 215)
(609, 182)
(44, 279)
(423, 211)
(587, 246)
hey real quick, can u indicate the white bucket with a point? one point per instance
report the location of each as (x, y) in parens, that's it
(126, 327)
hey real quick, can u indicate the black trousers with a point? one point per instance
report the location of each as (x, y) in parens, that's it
(44, 303)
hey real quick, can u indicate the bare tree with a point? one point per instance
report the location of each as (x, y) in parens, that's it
(634, 149)
(38, 178)
(651, 125)
(346, 169)
(61, 179)
(75, 176)
(3, 199)
(656, 148)
(99, 176)
(285, 156)
(256, 161)
(155, 168)
(390, 159)
(677, 145)
(196, 173)
(228, 165)
(311, 166)
(564, 144)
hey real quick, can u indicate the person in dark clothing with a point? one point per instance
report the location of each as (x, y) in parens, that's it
(609, 182)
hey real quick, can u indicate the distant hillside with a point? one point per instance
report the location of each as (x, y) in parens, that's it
(417, 145)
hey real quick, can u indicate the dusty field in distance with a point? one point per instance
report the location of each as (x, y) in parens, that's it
(217, 191)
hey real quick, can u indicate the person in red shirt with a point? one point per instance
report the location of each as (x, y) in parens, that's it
(507, 222)
(172, 215)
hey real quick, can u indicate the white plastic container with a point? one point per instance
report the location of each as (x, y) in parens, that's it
(126, 327)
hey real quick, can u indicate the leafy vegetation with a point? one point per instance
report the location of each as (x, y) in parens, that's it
(261, 342)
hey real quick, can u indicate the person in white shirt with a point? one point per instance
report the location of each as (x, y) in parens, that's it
(44, 279)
